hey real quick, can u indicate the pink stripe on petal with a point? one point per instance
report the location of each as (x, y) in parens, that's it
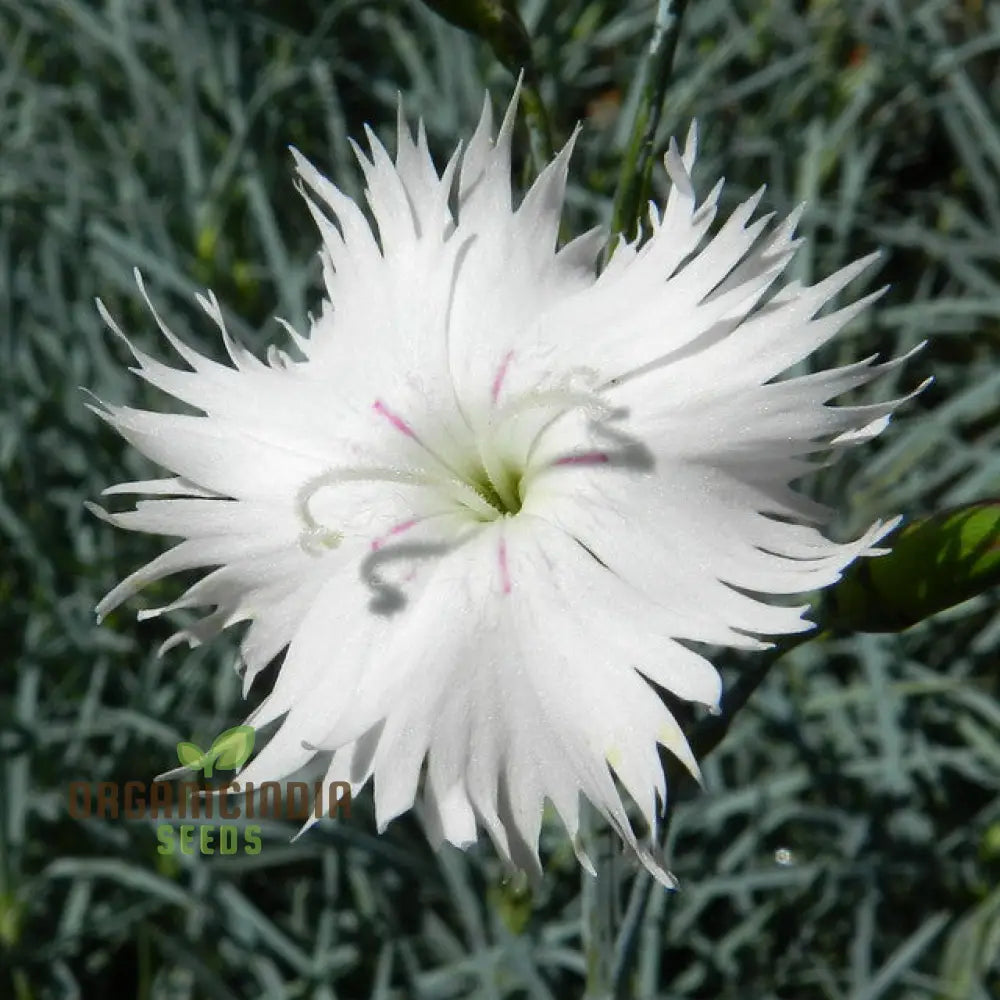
(398, 422)
(499, 377)
(396, 530)
(585, 458)
(504, 570)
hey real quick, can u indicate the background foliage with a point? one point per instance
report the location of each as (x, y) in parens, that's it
(847, 844)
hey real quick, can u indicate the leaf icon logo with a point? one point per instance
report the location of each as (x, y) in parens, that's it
(191, 755)
(230, 750)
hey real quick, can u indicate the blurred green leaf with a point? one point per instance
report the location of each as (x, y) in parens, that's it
(972, 950)
(11, 918)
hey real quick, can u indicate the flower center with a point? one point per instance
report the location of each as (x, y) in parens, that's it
(489, 482)
(500, 488)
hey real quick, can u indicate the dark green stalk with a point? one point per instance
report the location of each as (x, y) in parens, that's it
(635, 178)
(598, 905)
(499, 24)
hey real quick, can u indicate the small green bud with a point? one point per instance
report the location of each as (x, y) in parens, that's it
(935, 563)
(496, 22)
(512, 900)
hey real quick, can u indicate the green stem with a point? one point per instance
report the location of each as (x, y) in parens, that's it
(704, 737)
(537, 119)
(636, 174)
(599, 907)
(710, 731)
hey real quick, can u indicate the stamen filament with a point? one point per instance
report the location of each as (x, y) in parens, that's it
(317, 535)
(568, 399)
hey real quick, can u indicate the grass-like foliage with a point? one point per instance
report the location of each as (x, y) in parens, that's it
(847, 843)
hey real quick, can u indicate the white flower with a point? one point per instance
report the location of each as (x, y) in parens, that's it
(500, 493)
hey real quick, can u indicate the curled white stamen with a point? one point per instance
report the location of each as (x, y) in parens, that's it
(565, 399)
(317, 536)
(314, 540)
